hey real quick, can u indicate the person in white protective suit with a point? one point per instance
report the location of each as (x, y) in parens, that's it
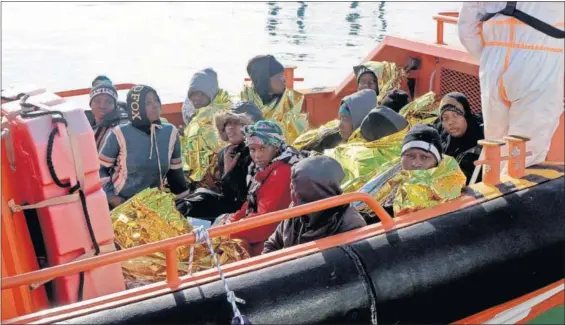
(521, 68)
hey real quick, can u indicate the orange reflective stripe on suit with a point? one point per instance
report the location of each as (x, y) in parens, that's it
(511, 45)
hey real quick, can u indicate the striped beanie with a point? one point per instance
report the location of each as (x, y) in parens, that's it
(425, 138)
(101, 87)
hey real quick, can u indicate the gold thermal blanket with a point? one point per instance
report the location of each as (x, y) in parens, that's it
(419, 189)
(287, 112)
(200, 143)
(423, 110)
(390, 77)
(389, 74)
(362, 160)
(151, 216)
(313, 138)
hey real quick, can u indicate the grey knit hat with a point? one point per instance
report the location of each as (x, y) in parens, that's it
(205, 81)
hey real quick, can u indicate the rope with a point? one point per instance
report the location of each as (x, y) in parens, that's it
(88, 221)
(202, 236)
(477, 169)
(18, 96)
(153, 137)
(66, 199)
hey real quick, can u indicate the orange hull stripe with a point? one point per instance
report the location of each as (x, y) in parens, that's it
(536, 310)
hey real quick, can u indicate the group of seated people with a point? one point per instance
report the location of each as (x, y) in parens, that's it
(260, 171)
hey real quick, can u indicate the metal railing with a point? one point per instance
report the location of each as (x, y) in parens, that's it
(449, 17)
(168, 246)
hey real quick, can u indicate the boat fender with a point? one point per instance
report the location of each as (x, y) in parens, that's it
(511, 11)
(73, 191)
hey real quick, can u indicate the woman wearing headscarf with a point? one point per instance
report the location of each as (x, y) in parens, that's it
(268, 180)
(270, 94)
(366, 78)
(460, 130)
(141, 153)
(233, 164)
(381, 77)
(313, 179)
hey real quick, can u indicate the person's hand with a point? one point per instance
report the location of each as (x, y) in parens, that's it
(181, 129)
(182, 195)
(230, 160)
(221, 220)
(116, 200)
(225, 219)
(183, 207)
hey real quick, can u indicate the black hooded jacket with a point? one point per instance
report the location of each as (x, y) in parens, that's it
(315, 178)
(137, 115)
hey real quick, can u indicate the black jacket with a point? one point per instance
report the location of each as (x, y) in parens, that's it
(208, 205)
(234, 183)
(464, 149)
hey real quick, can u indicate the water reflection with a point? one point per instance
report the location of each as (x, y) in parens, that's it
(352, 18)
(272, 21)
(301, 36)
(380, 14)
(287, 24)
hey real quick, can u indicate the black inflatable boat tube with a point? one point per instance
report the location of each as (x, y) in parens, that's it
(437, 271)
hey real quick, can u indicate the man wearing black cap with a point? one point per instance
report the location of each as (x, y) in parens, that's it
(421, 151)
(421, 148)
